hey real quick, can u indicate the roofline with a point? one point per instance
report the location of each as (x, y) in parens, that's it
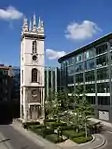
(84, 47)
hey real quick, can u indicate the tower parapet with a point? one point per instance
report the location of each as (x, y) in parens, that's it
(32, 27)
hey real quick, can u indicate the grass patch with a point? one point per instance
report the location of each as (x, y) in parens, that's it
(54, 138)
(73, 134)
(80, 140)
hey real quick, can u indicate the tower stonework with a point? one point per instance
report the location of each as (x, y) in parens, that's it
(32, 71)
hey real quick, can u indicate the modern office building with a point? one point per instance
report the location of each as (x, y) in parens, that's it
(52, 79)
(5, 93)
(5, 83)
(91, 67)
(15, 91)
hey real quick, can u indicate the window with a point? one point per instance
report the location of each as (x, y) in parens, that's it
(104, 100)
(102, 61)
(70, 69)
(110, 44)
(34, 75)
(89, 76)
(79, 58)
(79, 78)
(90, 88)
(91, 99)
(90, 64)
(71, 60)
(101, 49)
(103, 87)
(89, 54)
(102, 74)
(70, 79)
(34, 47)
(79, 67)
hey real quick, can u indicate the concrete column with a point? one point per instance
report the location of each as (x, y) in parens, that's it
(47, 81)
(43, 96)
(56, 71)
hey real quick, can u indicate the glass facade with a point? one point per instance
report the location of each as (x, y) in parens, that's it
(52, 79)
(91, 67)
(15, 95)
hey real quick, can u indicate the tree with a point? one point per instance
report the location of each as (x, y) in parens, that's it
(87, 112)
(83, 110)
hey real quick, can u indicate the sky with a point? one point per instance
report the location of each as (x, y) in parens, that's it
(69, 24)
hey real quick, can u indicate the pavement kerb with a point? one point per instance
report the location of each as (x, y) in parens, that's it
(103, 142)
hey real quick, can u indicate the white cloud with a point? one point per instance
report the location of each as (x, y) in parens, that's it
(10, 13)
(52, 54)
(85, 30)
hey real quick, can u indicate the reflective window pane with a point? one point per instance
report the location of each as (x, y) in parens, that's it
(103, 87)
(70, 69)
(79, 58)
(104, 100)
(90, 64)
(90, 88)
(79, 78)
(102, 61)
(102, 74)
(101, 49)
(89, 76)
(79, 67)
(89, 54)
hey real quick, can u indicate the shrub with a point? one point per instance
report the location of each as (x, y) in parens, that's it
(36, 126)
(80, 140)
(55, 125)
(54, 138)
(73, 134)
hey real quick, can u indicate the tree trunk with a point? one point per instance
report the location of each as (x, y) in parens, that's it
(86, 129)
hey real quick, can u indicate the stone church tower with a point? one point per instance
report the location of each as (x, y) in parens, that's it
(32, 71)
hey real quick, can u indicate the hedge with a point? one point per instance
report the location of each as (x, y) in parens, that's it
(67, 127)
(36, 126)
(54, 125)
(80, 140)
(27, 124)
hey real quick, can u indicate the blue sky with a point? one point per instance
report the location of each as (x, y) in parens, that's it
(69, 24)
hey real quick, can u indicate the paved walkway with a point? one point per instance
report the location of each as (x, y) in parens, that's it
(35, 138)
(4, 142)
(103, 122)
(98, 141)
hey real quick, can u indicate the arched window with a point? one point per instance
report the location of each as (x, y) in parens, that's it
(34, 75)
(34, 47)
